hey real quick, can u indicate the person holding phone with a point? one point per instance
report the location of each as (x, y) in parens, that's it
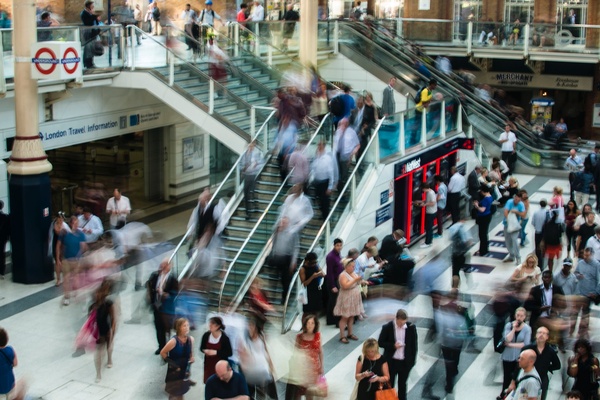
(517, 334)
(371, 368)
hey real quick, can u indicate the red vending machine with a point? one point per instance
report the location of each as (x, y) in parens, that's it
(412, 172)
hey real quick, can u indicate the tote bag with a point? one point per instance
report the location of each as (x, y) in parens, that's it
(512, 223)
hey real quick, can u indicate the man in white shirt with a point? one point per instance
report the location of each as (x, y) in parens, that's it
(324, 174)
(208, 15)
(346, 145)
(538, 220)
(455, 187)
(250, 165)
(529, 383)
(430, 205)
(258, 12)
(188, 16)
(90, 225)
(118, 207)
(508, 140)
(297, 209)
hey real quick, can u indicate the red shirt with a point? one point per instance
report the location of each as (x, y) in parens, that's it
(241, 16)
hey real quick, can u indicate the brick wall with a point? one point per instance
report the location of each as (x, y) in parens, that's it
(439, 9)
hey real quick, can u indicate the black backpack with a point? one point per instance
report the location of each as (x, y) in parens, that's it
(418, 95)
(337, 106)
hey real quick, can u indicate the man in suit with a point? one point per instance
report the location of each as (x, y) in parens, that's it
(388, 105)
(399, 341)
(162, 287)
(544, 300)
(473, 181)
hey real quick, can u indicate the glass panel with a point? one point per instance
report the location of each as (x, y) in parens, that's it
(8, 57)
(325, 35)
(101, 46)
(465, 12)
(433, 120)
(412, 129)
(389, 136)
(451, 110)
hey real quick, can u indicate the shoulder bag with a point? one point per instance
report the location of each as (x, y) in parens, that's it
(389, 393)
(354, 393)
(512, 223)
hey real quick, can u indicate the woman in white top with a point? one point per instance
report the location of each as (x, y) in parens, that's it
(256, 363)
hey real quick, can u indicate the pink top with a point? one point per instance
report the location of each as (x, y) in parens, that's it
(557, 201)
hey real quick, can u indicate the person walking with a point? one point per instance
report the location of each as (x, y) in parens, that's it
(588, 288)
(508, 141)
(284, 254)
(106, 321)
(324, 173)
(251, 165)
(513, 210)
(455, 187)
(162, 287)
(371, 370)
(400, 344)
(441, 198)
(484, 217)
(118, 207)
(334, 269)
(89, 35)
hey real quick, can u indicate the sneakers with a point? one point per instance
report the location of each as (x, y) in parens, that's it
(65, 302)
(437, 236)
(425, 245)
(508, 259)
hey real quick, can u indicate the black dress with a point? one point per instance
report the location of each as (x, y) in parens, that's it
(584, 381)
(366, 389)
(314, 294)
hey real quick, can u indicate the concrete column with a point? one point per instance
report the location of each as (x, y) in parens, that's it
(308, 32)
(29, 183)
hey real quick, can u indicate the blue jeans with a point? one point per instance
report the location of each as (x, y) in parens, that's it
(522, 233)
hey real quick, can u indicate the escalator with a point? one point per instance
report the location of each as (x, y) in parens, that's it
(363, 46)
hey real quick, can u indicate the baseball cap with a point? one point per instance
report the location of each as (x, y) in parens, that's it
(208, 2)
(568, 261)
(591, 249)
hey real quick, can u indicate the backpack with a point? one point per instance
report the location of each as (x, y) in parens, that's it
(357, 12)
(156, 13)
(418, 95)
(204, 12)
(337, 106)
(552, 232)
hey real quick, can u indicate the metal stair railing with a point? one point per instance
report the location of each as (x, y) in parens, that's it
(245, 284)
(231, 180)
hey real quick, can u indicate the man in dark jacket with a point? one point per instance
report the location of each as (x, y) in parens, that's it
(544, 300)
(400, 343)
(473, 181)
(88, 18)
(162, 287)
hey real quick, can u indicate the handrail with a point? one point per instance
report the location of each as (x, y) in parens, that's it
(243, 246)
(374, 136)
(488, 111)
(214, 196)
(196, 70)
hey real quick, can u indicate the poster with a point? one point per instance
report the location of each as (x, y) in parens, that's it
(424, 4)
(193, 153)
(596, 116)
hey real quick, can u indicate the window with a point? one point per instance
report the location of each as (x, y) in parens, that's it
(570, 12)
(465, 12)
(518, 9)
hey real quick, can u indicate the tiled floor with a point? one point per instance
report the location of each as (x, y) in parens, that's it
(43, 335)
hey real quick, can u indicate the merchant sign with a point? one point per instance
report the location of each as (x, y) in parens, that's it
(517, 79)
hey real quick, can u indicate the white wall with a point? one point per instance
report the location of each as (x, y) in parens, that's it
(182, 183)
(341, 68)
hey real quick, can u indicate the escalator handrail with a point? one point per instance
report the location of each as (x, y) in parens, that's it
(473, 99)
(218, 190)
(231, 65)
(236, 300)
(374, 136)
(194, 68)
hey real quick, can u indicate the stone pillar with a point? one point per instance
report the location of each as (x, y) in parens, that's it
(29, 181)
(545, 10)
(592, 39)
(308, 32)
(492, 9)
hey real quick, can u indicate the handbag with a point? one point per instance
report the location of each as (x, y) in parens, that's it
(319, 389)
(302, 295)
(512, 223)
(354, 393)
(389, 393)
(88, 334)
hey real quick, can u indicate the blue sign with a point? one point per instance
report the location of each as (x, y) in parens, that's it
(384, 197)
(383, 214)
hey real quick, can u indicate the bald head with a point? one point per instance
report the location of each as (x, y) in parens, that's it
(223, 370)
(527, 360)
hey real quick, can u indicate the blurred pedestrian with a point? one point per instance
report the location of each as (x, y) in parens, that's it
(588, 288)
(251, 164)
(324, 173)
(349, 301)
(118, 207)
(4, 237)
(334, 269)
(284, 254)
(106, 321)
(515, 211)
(345, 144)
(9, 387)
(307, 369)
(179, 354)
(215, 345)
(256, 363)
(162, 287)
(72, 247)
(450, 321)
(441, 198)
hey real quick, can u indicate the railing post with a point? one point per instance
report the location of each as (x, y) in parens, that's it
(236, 40)
(459, 124)
(2, 78)
(480, 152)
(266, 139)
(131, 52)
(424, 127)
(270, 56)
(470, 37)
(252, 122)
(166, 42)
(257, 40)
(327, 234)
(402, 136)
(470, 132)
(211, 96)
(171, 69)
(443, 120)
(526, 41)
(336, 37)
(399, 33)
(377, 150)
(353, 192)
